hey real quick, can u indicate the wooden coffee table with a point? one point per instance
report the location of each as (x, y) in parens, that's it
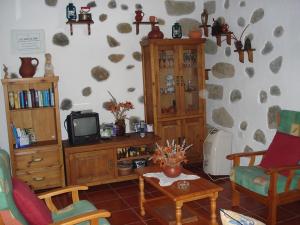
(169, 208)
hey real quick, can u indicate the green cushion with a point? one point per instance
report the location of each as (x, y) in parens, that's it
(75, 209)
(255, 179)
(289, 122)
(6, 196)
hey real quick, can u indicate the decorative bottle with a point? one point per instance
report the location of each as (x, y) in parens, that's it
(71, 12)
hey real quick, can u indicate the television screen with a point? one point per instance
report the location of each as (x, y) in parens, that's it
(85, 126)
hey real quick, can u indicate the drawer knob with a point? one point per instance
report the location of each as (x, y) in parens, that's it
(33, 160)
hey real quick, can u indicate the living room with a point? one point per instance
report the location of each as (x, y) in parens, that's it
(241, 98)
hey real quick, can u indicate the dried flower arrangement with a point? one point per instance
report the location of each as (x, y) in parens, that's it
(171, 155)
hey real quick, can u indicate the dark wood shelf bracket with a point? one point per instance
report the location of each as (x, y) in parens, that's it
(88, 22)
(137, 25)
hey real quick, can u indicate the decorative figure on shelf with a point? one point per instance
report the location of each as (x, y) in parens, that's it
(216, 28)
(71, 12)
(139, 15)
(204, 17)
(247, 45)
(49, 69)
(152, 19)
(5, 70)
(155, 33)
(27, 68)
(176, 31)
(84, 14)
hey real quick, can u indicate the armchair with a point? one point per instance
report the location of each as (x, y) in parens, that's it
(276, 180)
(79, 212)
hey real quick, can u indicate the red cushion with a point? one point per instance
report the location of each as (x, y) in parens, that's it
(283, 151)
(32, 208)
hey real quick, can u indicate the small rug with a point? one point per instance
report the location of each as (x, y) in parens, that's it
(167, 181)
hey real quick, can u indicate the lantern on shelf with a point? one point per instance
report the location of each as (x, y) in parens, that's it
(176, 31)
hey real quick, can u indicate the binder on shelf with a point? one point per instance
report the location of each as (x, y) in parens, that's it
(29, 99)
(21, 100)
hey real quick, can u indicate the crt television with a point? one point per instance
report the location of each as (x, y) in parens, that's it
(82, 127)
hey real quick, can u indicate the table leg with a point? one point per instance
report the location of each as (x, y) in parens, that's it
(213, 207)
(178, 213)
(142, 195)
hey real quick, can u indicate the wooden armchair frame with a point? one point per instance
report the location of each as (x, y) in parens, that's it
(273, 199)
(93, 217)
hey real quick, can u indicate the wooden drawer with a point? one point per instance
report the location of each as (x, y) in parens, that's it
(45, 157)
(42, 178)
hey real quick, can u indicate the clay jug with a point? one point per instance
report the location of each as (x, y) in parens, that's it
(139, 15)
(155, 33)
(27, 68)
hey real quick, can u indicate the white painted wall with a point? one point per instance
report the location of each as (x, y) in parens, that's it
(74, 62)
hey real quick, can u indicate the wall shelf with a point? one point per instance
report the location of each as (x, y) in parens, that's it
(88, 22)
(137, 25)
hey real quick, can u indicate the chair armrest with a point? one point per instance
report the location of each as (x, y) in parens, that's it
(93, 217)
(284, 168)
(47, 196)
(237, 156)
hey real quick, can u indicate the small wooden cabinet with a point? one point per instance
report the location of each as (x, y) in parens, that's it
(41, 163)
(174, 85)
(97, 163)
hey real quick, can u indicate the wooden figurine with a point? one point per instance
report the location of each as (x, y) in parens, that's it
(49, 70)
(5, 70)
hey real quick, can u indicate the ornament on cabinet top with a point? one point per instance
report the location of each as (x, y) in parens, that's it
(49, 69)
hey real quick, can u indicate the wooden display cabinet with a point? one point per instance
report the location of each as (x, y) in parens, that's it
(97, 163)
(41, 163)
(174, 85)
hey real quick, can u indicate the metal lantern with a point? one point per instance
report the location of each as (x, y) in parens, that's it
(176, 31)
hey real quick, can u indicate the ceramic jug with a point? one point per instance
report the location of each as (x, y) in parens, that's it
(139, 15)
(27, 68)
(155, 33)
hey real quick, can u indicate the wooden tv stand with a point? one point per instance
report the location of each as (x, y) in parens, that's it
(97, 163)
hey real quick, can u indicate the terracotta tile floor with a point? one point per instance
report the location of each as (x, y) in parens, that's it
(121, 199)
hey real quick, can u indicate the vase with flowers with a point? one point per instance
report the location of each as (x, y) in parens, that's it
(170, 157)
(119, 109)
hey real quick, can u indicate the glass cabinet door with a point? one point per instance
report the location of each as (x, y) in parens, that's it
(167, 82)
(190, 80)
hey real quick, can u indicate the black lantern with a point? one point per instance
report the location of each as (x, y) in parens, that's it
(71, 12)
(176, 31)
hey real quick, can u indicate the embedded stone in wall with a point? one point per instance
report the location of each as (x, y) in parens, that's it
(132, 121)
(179, 8)
(60, 39)
(250, 71)
(106, 105)
(275, 65)
(14, 75)
(124, 7)
(187, 25)
(223, 70)
(210, 6)
(161, 21)
(273, 111)
(278, 32)
(66, 104)
(124, 28)
(227, 51)
(137, 56)
(99, 73)
(141, 99)
(268, 48)
(138, 6)
(275, 90)
(235, 95)
(226, 4)
(112, 4)
(243, 125)
(250, 36)
(211, 47)
(263, 97)
(102, 17)
(51, 2)
(242, 4)
(248, 149)
(87, 91)
(131, 89)
(221, 117)
(91, 4)
(115, 58)
(257, 15)
(112, 42)
(129, 67)
(259, 136)
(214, 91)
(241, 21)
